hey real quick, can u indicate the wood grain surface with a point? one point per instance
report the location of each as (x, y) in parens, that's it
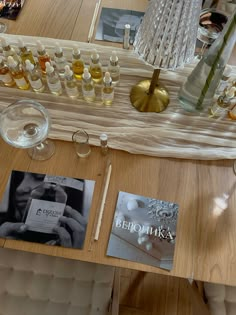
(205, 247)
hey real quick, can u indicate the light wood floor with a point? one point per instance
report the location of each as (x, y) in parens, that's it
(148, 294)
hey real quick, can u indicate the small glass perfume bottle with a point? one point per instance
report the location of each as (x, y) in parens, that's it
(18, 74)
(87, 86)
(25, 53)
(224, 80)
(114, 68)
(70, 83)
(126, 36)
(95, 67)
(103, 144)
(232, 112)
(34, 77)
(43, 56)
(8, 50)
(221, 106)
(5, 75)
(54, 83)
(60, 60)
(107, 90)
(77, 63)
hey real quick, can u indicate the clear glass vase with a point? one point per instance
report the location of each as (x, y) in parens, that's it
(197, 92)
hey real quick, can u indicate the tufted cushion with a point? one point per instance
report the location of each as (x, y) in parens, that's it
(221, 299)
(33, 284)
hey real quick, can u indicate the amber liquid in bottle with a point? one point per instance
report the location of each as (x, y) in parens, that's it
(108, 95)
(78, 68)
(20, 79)
(27, 54)
(96, 73)
(107, 90)
(42, 62)
(95, 68)
(18, 74)
(6, 76)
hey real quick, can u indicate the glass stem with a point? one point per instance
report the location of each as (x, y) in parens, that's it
(40, 146)
(154, 81)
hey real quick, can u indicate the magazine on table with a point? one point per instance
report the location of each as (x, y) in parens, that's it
(10, 9)
(144, 230)
(46, 209)
(112, 24)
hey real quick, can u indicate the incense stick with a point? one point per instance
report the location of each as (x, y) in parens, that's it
(95, 14)
(104, 195)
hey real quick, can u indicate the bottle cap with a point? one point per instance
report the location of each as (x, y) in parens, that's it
(29, 66)
(11, 62)
(40, 46)
(103, 137)
(58, 49)
(49, 68)
(4, 42)
(227, 71)
(76, 50)
(127, 29)
(68, 71)
(107, 78)
(114, 58)
(86, 75)
(21, 43)
(95, 55)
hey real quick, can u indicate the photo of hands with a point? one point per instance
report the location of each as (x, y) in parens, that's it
(46, 209)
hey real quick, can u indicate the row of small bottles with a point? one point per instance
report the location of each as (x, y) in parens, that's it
(225, 103)
(24, 71)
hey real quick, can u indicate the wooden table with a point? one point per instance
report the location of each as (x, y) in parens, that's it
(205, 248)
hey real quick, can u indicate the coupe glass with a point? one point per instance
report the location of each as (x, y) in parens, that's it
(25, 124)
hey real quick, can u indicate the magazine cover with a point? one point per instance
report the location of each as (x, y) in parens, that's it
(46, 209)
(10, 9)
(144, 230)
(112, 23)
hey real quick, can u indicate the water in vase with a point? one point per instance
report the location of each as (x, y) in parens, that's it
(190, 92)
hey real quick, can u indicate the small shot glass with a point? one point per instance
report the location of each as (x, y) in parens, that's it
(80, 139)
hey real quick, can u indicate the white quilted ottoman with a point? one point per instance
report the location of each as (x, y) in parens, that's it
(33, 284)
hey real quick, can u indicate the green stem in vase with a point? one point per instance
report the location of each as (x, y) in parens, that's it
(215, 63)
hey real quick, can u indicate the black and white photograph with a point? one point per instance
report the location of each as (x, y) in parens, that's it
(144, 230)
(10, 9)
(46, 209)
(112, 24)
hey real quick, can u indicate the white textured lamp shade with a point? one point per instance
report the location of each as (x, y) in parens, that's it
(166, 39)
(167, 35)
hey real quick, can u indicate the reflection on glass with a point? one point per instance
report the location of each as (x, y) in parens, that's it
(211, 24)
(3, 27)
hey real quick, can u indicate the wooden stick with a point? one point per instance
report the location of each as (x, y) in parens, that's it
(95, 14)
(104, 195)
